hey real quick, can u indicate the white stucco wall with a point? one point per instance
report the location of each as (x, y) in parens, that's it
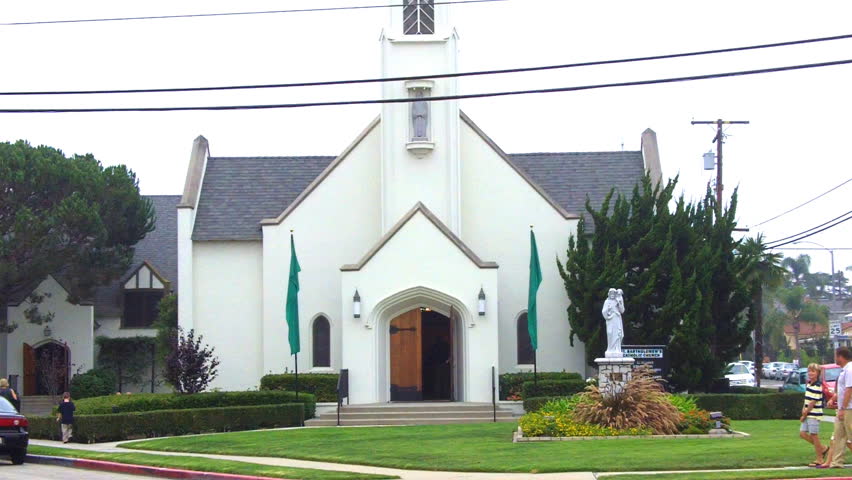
(419, 255)
(228, 310)
(336, 224)
(498, 207)
(72, 325)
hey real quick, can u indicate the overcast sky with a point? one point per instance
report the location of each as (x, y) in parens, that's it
(795, 148)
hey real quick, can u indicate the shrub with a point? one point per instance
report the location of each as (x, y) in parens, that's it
(639, 403)
(553, 388)
(767, 406)
(94, 383)
(124, 426)
(561, 405)
(191, 366)
(537, 424)
(683, 403)
(146, 402)
(752, 390)
(534, 404)
(696, 421)
(511, 384)
(321, 385)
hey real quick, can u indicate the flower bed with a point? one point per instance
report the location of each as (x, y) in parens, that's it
(639, 409)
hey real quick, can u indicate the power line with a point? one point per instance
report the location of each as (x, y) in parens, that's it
(803, 204)
(441, 75)
(812, 234)
(228, 14)
(433, 99)
(813, 228)
(812, 248)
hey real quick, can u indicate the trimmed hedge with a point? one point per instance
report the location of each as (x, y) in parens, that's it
(752, 390)
(553, 388)
(321, 385)
(94, 383)
(766, 406)
(146, 402)
(124, 426)
(513, 383)
(533, 404)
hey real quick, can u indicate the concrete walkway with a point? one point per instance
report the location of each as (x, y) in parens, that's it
(114, 447)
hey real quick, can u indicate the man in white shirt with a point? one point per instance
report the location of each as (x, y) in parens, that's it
(842, 436)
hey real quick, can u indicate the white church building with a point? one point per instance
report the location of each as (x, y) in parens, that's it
(413, 242)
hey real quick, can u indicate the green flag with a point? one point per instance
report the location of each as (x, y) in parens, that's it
(535, 281)
(293, 300)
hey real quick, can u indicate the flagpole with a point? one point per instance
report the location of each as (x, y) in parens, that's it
(532, 309)
(297, 377)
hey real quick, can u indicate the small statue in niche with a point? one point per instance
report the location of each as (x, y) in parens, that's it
(420, 116)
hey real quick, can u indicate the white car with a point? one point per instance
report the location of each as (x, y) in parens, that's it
(769, 369)
(749, 364)
(739, 376)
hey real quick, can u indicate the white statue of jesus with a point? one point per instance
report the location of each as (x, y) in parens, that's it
(613, 308)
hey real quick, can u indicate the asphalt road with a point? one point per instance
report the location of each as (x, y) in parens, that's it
(31, 471)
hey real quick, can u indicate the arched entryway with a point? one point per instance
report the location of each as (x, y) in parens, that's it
(46, 368)
(422, 347)
(421, 356)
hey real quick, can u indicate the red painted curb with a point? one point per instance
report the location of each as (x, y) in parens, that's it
(132, 469)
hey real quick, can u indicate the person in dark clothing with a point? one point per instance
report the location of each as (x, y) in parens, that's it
(66, 416)
(10, 394)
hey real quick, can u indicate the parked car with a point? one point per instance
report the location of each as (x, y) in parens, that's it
(796, 382)
(770, 368)
(783, 371)
(749, 364)
(830, 373)
(14, 434)
(739, 376)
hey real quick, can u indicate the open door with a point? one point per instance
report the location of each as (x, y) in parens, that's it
(29, 370)
(406, 357)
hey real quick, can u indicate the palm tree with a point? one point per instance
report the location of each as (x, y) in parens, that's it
(799, 267)
(761, 269)
(800, 309)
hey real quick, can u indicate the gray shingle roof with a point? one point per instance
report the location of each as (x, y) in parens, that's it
(569, 177)
(159, 248)
(238, 192)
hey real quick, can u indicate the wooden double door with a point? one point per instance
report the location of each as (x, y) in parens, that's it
(421, 356)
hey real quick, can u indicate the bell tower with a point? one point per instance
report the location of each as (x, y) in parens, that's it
(420, 138)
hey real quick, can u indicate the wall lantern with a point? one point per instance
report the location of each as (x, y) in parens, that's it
(47, 331)
(356, 305)
(481, 302)
(709, 161)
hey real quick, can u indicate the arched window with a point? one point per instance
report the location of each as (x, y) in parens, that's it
(526, 354)
(322, 342)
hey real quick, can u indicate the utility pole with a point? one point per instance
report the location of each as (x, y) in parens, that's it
(719, 139)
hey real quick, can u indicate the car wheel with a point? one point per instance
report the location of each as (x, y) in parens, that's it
(18, 456)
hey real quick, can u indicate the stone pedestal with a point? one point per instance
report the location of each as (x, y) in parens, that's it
(614, 372)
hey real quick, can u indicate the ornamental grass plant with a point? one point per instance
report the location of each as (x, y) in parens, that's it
(638, 403)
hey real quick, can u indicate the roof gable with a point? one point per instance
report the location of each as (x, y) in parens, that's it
(419, 208)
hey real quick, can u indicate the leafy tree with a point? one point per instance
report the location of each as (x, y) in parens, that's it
(761, 269)
(190, 367)
(801, 309)
(65, 215)
(166, 324)
(799, 267)
(128, 358)
(678, 266)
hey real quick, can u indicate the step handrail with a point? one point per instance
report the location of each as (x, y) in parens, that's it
(342, 391)
(494, 392)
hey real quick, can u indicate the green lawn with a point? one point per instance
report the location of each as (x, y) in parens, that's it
(761, 475)
(489, 447)
(205, 464)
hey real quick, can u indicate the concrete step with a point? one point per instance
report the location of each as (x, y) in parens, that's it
(425, 414)
(448, 407)
(323, 422)
(38, 404)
